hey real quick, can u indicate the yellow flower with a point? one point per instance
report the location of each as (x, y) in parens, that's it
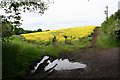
(71, 33)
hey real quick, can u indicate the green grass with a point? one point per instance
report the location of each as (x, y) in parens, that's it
(105, 40)
(17, 57)
(18, 54)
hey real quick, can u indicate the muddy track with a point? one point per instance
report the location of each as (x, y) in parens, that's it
(101, 63)
(95, 36)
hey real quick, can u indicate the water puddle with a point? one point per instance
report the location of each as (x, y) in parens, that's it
(38, 64)
(58, 64)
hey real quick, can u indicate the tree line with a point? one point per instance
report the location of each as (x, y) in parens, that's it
(8, 29)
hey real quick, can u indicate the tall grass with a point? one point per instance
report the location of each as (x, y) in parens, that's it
(16, 58)
(108, 35)
(105, 40)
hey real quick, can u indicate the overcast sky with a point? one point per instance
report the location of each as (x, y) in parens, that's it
(70, 13)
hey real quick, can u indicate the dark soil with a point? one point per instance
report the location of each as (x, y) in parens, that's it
(94, 37)
(101, 63)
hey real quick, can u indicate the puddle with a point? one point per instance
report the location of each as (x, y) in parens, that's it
(35, 68)
(64, 64)
(59, 64)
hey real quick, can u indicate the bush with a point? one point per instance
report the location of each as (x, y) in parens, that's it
(109, 31)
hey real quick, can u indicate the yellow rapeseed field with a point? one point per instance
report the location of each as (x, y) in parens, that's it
(71, 33)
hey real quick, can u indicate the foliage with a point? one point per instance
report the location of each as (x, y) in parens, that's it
(7, 28)
(17, 56)
(109, 27)
(13, 9)
(105, 40)
(109, 36)
(39, 30)
(19, 31)
(17, 7)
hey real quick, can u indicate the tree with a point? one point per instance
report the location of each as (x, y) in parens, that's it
(39, 30)
(7, 28)
(14, 8)
(19, 31)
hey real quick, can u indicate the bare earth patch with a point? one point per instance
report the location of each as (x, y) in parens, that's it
(101, 63)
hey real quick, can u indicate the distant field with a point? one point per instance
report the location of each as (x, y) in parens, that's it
(70, 33)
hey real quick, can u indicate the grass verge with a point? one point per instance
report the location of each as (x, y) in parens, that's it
(105, 40)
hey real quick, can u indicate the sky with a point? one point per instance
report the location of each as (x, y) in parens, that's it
(70, 13)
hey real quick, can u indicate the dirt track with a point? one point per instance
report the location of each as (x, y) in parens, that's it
(102, 63)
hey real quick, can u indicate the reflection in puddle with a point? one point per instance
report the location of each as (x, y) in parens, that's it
(59, 64)
(35, 68)
(64, 65)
